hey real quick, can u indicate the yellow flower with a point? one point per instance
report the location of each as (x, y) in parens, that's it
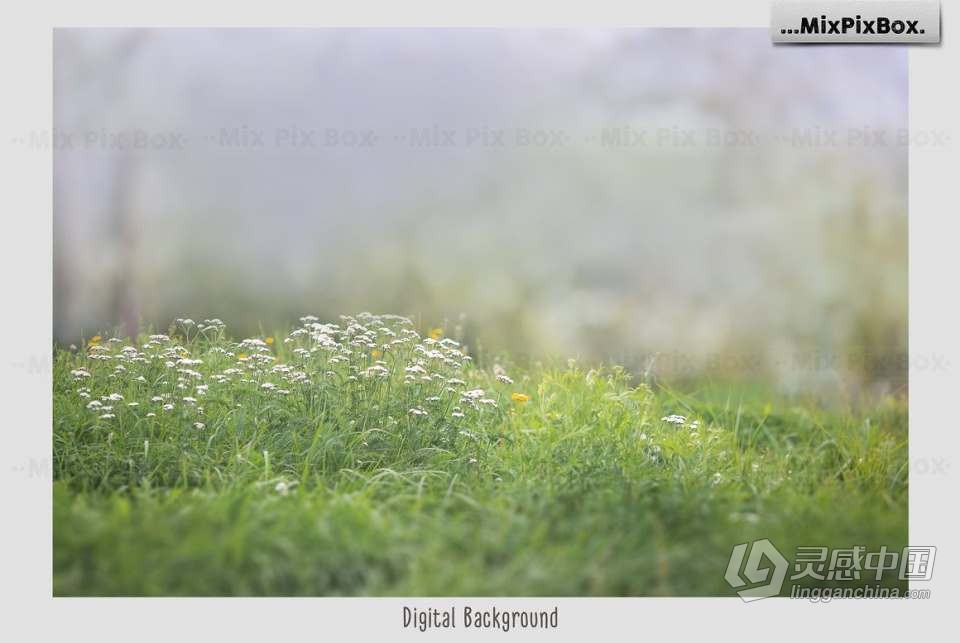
(242, 356)
(269, 340)
(520, 397)
(436, 333)
(375, 354)
(95, 339)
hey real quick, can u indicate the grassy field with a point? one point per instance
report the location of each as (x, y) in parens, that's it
(359, 458)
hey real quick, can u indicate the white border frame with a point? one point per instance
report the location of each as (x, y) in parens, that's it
(27, 259)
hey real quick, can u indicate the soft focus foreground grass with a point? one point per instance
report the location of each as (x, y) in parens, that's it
(352, 472)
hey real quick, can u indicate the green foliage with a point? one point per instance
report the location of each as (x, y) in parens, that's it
(360, 458)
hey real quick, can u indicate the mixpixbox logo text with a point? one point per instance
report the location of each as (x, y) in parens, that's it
(855, 22)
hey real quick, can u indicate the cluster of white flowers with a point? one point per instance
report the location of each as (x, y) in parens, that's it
(680, 420)
(114, 366)
(378, 351)
(379, 360)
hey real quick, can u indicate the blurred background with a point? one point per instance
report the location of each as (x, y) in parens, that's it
(689, 203)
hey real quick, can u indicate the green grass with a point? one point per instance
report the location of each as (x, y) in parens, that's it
(326, 483)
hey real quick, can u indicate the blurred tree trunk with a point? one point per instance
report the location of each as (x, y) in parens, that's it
(122, 222)
(76, 66)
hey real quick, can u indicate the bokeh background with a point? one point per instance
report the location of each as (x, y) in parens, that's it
(778, 254)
